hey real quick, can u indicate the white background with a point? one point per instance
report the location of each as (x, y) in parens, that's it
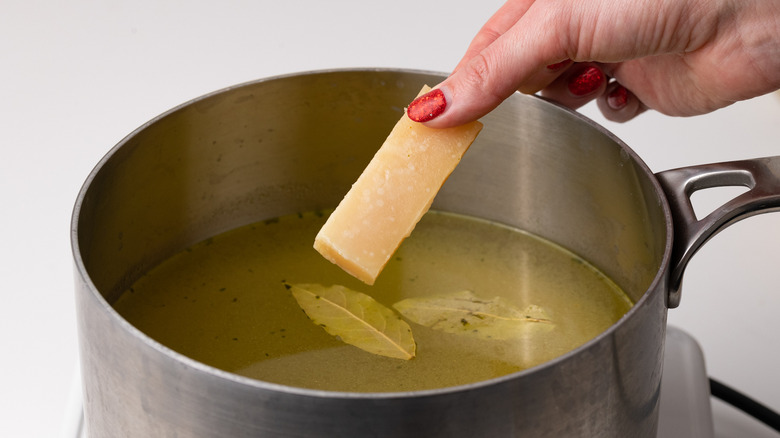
(76, 77)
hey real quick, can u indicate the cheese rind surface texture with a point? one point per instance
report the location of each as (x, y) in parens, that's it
(391, 195)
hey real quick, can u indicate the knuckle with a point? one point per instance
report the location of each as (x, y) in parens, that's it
(478, 71)
(480, 74)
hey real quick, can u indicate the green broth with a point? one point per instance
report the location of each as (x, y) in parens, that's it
(223, 302)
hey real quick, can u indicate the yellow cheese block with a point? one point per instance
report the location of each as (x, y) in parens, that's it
(391, 195)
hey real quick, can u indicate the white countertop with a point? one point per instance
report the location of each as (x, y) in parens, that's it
(76, 77)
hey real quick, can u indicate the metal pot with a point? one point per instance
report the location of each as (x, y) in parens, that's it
(296, 143)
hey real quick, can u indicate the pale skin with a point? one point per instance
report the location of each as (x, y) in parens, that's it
(677, 57)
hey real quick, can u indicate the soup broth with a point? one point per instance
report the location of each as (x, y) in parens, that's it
(223, 302)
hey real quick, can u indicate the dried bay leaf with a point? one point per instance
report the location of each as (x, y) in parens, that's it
(465, 313)
(356, 319)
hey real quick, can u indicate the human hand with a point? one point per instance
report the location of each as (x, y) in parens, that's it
(678, 57)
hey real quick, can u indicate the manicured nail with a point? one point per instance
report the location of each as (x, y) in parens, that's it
(559, 65)
(586, 82)
(617, 98)
(427, 107)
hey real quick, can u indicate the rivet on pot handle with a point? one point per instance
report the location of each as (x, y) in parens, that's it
(761, 176)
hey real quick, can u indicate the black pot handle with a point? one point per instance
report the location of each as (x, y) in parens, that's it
(761, 176)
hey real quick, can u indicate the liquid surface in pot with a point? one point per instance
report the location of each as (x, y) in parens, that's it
(223, 302)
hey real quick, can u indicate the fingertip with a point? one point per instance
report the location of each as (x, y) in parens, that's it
(445, 107)
(428, 106)
(586, 81)
(557, 66)
(618, 104)
(616, 97)
(578, 85)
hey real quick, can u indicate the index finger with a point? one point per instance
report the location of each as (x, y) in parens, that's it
(500, 22)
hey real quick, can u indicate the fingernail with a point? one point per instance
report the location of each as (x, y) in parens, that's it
(559, 65)
(428, 106)
(586, 82)
(617, 98)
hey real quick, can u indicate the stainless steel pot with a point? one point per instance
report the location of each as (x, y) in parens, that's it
(296, 143)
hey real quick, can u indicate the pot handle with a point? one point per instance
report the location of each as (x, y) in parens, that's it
(761, 176)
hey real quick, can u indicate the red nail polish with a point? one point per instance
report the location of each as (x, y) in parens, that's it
(617, 98)
(427, 107)
(586, 82)
(559, 65)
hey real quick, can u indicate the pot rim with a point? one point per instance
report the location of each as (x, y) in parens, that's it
(655, 286)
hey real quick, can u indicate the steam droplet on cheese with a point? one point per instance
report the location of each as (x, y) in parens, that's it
(391, 195)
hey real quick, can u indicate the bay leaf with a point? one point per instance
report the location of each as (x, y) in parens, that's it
(356, 319)
(465, 313)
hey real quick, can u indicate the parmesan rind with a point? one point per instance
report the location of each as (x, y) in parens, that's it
(391, 195)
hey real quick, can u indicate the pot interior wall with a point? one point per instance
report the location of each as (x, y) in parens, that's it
(297, 143)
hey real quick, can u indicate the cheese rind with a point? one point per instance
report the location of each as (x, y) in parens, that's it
(391, 195)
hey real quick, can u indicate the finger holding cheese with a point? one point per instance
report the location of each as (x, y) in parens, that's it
(391, 195)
